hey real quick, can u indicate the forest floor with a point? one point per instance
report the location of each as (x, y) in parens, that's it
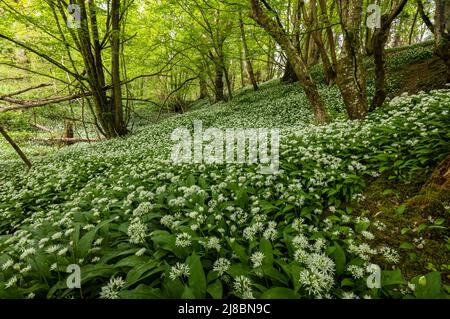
(349, 194)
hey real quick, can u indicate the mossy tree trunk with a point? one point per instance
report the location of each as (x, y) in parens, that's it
(442, 32)
(379, 39)
(276, 30)
(351, 74)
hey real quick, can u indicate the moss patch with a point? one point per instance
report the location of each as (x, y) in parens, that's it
(416, 216)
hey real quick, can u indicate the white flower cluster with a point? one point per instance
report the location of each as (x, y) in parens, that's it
(221, 265)
(137, 231)
(112, 289)
(243, 287)
(179, 270)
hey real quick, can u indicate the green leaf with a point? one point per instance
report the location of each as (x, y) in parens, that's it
(215, 289)
(406, 245)
(391, 277)
(279, 293)
(197, 278)
(131, 261)
(62, 284)
(141, 292)
(164, 239)
(275, 274)
(347, 282)
(239, 251)
(238, 270)
(135, 274)
(400, 210)
(89, 272)
(85, 242)
(266, 249)
(432, 288)
(339, 258)
(295, 275)
(173, 289)
(188, 293)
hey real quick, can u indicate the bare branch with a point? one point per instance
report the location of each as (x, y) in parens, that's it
(2, 97)
(23, 104)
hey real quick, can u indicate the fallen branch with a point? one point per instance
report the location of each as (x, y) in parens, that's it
(15, 146)
(2, 97)
(42, 128)
(28, 104)
(12, 79)
(66, 140)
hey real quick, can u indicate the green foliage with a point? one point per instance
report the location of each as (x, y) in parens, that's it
(141, 227)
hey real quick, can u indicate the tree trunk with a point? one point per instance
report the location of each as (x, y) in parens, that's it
(276, 30)
(108, 113)
(218, 81)
(242, 66)
(116, 98)
(379, 39)
(313, 24)
(248, 62)
(411, 31)
(442, 32)
(227, 81)
(203, 88)
(68, 129)
(351, 74)
(289, 75)
(270, 57)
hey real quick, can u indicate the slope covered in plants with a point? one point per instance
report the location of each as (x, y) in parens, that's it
(142, 227)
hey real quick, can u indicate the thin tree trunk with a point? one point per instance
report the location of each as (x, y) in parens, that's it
(218, 80)
(248, 62)
(379, 40)
(424, 16)
(270, 57)
(411, 32)
(228, 82)
(203, 88)
(15, 147)
(116, 98)
(276, 30)
(313, 23)
(241, 65)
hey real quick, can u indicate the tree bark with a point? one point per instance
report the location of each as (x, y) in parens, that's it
(203, 88)
(379, 39)
(116, 96)
(248, 62)
(424, 16)
(275, 29)
(351, 74)
(218, 80)
(413, 26)
(442, 32)
(313, 23)
(289, 75)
